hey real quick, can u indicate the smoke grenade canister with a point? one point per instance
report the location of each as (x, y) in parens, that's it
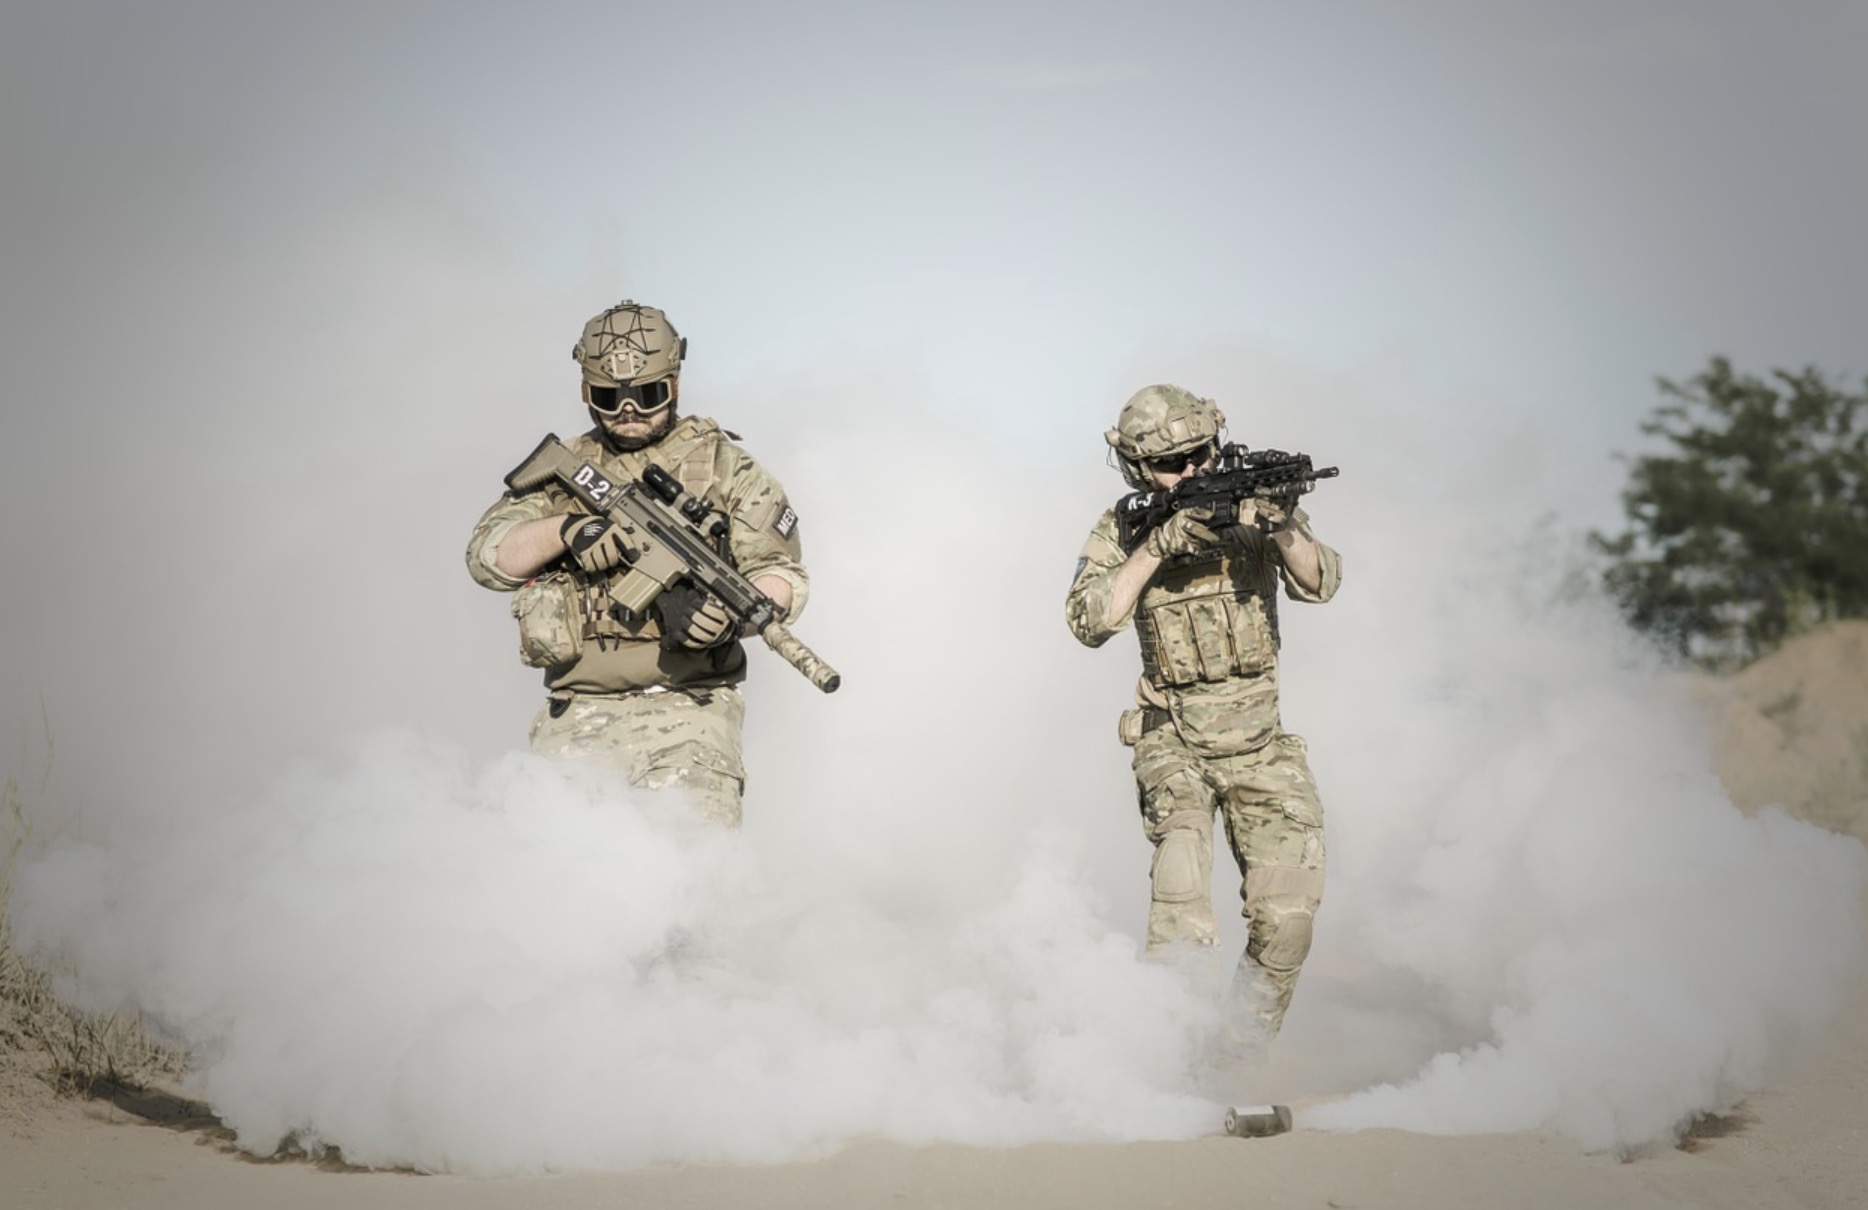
(1257, 1121)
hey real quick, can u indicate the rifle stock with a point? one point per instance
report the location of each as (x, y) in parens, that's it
(544, 463)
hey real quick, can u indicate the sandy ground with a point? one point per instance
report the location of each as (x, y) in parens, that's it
(1803, 1144)
(1793, 729)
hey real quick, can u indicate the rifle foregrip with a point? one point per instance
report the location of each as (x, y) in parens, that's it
(795, 653)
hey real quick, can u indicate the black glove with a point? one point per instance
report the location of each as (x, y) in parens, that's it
(595, 543)
(695, 619)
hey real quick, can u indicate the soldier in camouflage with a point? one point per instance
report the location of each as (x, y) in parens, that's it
(1206, 729)
(656, 695)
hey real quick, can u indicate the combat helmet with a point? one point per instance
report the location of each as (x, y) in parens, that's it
(629, 345)
(1159, 420)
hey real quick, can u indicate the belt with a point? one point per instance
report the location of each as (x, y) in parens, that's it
(559, 700)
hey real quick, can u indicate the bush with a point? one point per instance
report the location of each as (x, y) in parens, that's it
(1754, 526)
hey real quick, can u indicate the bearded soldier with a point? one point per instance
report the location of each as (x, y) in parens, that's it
(653, 692)
(1206, 730)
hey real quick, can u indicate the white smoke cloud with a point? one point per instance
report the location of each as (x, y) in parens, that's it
(1579, 932)
(528, 969)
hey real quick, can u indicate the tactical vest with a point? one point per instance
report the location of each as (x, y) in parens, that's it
(1210, 617)
(627, 648)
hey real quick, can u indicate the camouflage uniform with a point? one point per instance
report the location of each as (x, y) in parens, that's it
(662, 716)
(1207, 735)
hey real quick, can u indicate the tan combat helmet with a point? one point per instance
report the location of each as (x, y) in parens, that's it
(629, 344)
(1159, 420)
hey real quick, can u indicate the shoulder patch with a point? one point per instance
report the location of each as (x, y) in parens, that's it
(1083, 561)
(787, 519)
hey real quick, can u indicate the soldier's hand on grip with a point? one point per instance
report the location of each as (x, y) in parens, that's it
(1183, 533)
(1270, 516)
(594, 543)
(696, 619)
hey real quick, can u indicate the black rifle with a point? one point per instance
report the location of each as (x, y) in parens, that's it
(1237, 474)
(672, 536)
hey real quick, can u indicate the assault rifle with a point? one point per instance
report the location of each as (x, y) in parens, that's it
(672, 535)
(1237, 474)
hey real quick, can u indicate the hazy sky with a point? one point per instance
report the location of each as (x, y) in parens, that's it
(251, 251)
(284, 289)
(1510, 210)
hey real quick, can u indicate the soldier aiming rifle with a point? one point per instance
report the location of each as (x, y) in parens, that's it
(1195, 558)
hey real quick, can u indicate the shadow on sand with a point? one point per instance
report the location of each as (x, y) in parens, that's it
(175, 1111)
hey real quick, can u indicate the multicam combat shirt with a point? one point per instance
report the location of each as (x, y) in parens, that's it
(1208, 625)
(616, 654)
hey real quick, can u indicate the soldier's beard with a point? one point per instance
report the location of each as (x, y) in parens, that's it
(664, 421)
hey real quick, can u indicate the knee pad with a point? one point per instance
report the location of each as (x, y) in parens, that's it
(1179, 874)
(1280, 935)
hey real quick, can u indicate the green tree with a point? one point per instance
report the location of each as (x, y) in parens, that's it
(1754, 526)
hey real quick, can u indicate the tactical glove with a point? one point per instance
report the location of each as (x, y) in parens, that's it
(1184, 533)
(597, 546)
(695, 619)
(1272, 515)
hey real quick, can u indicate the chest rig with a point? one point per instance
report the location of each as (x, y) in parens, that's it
(688, 453)
(1210, 616)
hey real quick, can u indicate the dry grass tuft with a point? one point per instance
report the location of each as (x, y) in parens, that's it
(75, 1053)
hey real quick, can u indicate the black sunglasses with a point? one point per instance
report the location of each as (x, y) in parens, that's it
(642, 398)
(1169, 464)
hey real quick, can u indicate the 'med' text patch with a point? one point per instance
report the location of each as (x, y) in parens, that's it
(787, 521)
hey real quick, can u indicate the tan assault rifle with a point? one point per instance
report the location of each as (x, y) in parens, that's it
(670, 535)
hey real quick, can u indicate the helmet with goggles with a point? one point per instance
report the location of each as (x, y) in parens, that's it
(1163, 423)
(630, 353)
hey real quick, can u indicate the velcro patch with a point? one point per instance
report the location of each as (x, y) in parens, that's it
(1083, 561)
(787, 521)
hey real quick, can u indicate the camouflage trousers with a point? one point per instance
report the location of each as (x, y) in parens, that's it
(1274, 823)
(682, 738)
